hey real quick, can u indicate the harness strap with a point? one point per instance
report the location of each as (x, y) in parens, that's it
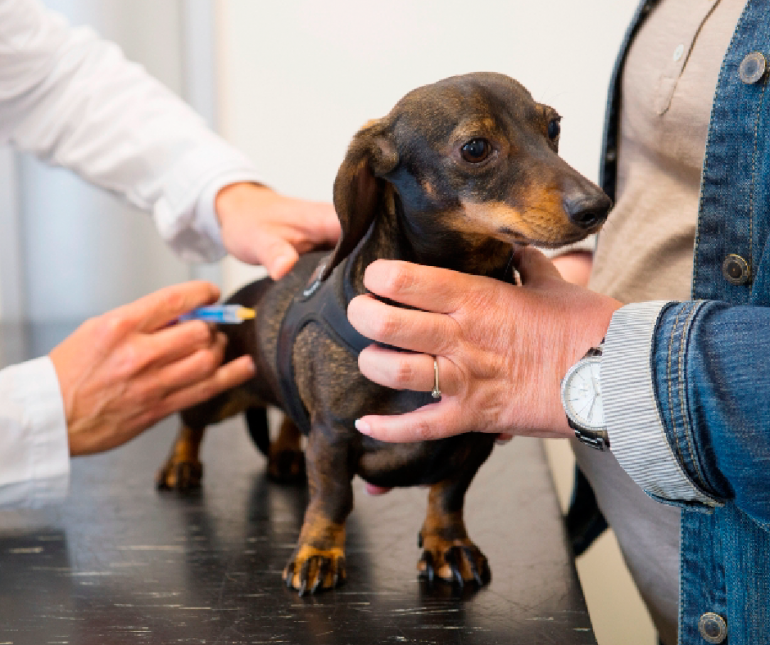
(317, 303)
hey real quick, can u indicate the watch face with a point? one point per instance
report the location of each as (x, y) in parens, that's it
(583, 395)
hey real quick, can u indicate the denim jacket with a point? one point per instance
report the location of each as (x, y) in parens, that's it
(686, 386)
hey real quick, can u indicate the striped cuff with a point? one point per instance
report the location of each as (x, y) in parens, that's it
(637, 435)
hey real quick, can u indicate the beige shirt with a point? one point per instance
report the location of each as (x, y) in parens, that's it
(645, 250)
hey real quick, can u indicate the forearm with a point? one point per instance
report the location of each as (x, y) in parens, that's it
(75, 101)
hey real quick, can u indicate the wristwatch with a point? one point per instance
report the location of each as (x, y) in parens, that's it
(581, 397)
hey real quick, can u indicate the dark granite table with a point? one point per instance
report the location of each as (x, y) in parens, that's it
(120, 563)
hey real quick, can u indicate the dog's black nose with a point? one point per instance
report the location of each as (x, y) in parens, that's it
(587, 212)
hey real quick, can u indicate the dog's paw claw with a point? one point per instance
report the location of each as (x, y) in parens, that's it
(181, 476)
(313, 570)
(425, 566)
(479, 566)
(452, 558)
(456, 563)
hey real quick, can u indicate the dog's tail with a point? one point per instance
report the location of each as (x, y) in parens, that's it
(259, 431)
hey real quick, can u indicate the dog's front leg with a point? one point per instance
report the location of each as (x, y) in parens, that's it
(448, 552)
(318, 562)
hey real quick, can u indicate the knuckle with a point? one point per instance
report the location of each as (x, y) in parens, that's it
(385, 325)
(201, 333)
(208, 389)
(110, 327)
(399, 279)
(128, 361)
(172, 300)
(404, 373)
(210, 361)
(423, 431)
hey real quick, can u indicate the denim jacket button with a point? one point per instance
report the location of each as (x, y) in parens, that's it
(712, 627)
(752, 68)
(736, 270)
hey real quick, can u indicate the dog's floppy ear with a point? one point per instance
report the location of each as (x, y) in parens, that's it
(359, 185)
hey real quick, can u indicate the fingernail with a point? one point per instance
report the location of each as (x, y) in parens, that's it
(363, 427)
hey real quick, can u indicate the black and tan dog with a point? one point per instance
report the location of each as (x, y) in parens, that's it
(453, 177)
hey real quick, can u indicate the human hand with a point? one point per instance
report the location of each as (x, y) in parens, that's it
(502, 349)
(575, 267)
(121, 372)
(259, 226)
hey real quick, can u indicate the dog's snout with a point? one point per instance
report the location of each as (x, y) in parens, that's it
(587, 211)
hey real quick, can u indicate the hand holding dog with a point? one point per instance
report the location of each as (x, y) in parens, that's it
(121, 372)
(259, 226)
(502, 350)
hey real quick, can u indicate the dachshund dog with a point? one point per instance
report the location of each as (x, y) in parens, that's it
(458, 173)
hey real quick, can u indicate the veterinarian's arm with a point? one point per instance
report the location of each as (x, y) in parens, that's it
(123, 371)
(73, 99)
(502, 349)
(113, 377)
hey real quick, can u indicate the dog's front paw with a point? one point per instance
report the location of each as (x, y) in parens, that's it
(456, 561)
(311, 569)
(182, 476)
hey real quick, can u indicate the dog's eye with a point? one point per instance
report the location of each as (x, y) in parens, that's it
(554, 129)
(476, 150)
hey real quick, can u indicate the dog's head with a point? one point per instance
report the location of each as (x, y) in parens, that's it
(473, 155)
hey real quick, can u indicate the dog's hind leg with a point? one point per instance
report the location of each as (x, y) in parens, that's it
(448, 553)
(183, 470)
(318, 562)
(286, 459)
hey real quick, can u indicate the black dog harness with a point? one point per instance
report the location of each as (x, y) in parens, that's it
(320, 303)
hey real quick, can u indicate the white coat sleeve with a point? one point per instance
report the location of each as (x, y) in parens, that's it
(73, 100)
(34, 448)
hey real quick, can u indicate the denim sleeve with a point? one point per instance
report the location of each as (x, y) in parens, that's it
(711, 364)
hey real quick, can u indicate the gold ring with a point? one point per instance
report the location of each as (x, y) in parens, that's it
(436, 393)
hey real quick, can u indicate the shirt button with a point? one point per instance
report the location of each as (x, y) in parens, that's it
(611, 155)
(736, 270)
(752, 68)
(712, 627)
(678, 52)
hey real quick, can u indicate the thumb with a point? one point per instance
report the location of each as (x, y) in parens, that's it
(533, 266)
(276, 254)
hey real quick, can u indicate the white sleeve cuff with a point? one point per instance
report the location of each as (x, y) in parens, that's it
(34, 447)
(185, 215)
(637, 436)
